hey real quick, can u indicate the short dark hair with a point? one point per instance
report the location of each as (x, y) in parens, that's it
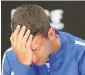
(33, 17)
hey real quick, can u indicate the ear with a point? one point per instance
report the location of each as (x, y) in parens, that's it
(51, 33)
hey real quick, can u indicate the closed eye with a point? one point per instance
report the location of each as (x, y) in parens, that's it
(35, 49)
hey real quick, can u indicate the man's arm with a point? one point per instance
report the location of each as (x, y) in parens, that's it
(19, 69)
(83, 64)
(6, 69)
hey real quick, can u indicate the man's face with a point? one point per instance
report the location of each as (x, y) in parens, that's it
(41, 48)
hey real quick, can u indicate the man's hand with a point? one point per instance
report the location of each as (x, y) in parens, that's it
(21, 45)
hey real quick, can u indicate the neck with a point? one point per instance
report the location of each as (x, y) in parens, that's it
(55, 45)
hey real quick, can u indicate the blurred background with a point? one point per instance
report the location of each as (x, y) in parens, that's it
(68, 16)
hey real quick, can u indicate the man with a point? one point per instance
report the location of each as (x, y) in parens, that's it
(34, 43)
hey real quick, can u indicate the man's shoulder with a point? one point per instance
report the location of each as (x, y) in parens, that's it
(9, 53)
(73, 42)
(69, 36)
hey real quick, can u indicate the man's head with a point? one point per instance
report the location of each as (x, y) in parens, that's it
(35, 19)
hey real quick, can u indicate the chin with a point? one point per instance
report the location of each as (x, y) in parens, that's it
(39, 64)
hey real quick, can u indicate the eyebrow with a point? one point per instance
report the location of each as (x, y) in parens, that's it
(35, 48)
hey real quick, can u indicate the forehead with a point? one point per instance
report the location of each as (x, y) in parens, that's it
(37, 41)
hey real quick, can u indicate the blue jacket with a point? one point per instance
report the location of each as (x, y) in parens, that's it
(69, 59)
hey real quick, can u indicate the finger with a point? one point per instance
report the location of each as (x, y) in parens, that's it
(29, 41)
(19, 38)
(26, 36)
(16, 31)
(21, 33)
(14, 35)
(24, 39)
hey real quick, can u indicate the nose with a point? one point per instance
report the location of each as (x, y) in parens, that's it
(34, 59)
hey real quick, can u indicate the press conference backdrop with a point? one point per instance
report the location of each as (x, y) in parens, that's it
(68, 16)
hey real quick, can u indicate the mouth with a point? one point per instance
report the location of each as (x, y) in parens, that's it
(36, 62)
(40, 61)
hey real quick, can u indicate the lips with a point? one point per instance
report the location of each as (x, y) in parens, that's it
(37, 61)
